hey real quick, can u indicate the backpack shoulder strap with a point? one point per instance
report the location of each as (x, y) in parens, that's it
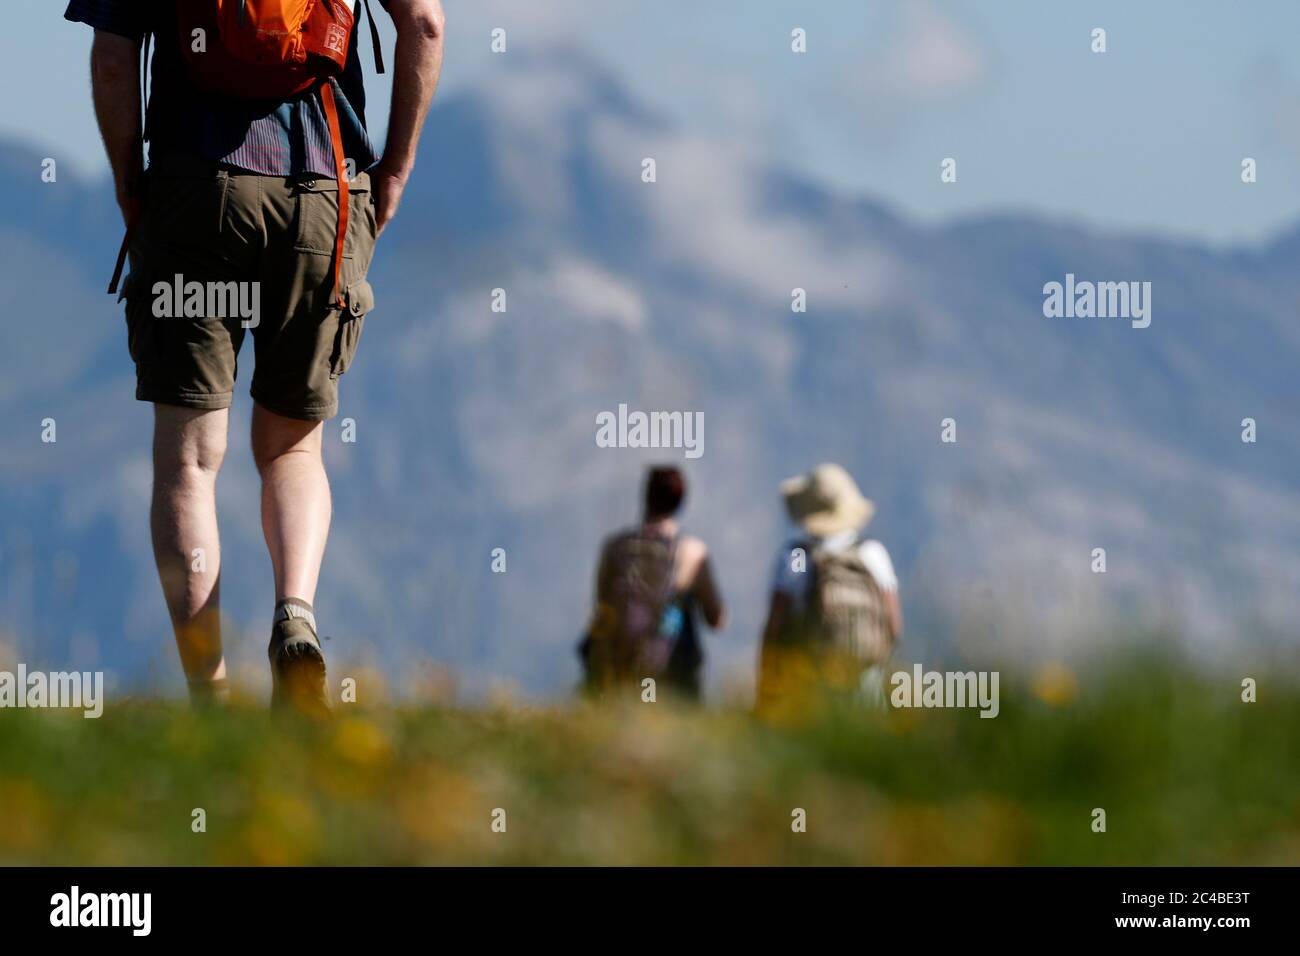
(374, 38)
(144, 83)
(670, 580)
(670, 542)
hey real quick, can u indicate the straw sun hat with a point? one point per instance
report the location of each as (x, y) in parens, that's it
(826, 501)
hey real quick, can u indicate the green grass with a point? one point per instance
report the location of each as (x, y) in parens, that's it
(1186, 772)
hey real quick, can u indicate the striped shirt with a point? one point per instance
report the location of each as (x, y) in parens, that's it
(272, 137)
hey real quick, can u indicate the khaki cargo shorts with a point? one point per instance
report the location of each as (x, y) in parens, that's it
(219, 252)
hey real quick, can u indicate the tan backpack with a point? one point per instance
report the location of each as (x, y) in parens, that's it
(846, 612)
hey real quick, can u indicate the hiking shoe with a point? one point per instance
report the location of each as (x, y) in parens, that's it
(297, 669)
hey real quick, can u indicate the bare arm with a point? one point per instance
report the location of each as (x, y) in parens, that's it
(420, 26)
(895, 616)
(710, 598)
(115, 86)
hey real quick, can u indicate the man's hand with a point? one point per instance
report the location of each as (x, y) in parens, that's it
(415, 77)
(387, 186)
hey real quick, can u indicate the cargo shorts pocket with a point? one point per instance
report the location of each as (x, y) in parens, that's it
(318, 213)
(185, 204)
(360, 299)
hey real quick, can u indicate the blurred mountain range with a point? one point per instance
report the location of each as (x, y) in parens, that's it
(476, 428)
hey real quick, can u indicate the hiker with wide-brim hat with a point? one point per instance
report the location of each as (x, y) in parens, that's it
(834, 614)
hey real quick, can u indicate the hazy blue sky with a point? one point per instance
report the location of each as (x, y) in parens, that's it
(1148, 136)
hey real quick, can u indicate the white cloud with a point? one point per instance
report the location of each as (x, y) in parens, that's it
(590, 293)
(710, 206)
(930, 58)
(532, 22)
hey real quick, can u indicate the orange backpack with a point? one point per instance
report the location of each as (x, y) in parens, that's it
(270, 49)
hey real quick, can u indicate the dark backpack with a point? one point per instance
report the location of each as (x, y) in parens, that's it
(634, 633)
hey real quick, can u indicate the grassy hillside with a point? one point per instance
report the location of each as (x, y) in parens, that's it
(1186, 772)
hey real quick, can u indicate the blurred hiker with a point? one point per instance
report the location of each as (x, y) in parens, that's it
(834, 614)
(259, 210)
(652, 583)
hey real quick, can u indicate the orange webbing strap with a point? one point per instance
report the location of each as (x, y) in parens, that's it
(341, 172)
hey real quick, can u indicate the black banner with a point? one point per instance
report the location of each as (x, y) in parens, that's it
(729, 905)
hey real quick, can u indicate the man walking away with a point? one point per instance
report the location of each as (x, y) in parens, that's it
(652, 581)
(263, 185)
(834, 614)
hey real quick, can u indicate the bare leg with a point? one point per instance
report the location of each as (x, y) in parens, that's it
(295, 500)
(188, 446)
